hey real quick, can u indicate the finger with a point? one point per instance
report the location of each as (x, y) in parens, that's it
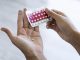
(50, 24)
(19, 22)
(52, 14)
(58, 12)
(26, 24)
(8, 32)
(36, 28)
(30, 27)
(25, 19)
(29, 30)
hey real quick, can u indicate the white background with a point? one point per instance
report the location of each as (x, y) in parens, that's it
(54, 47)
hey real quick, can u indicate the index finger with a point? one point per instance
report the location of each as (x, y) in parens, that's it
(59, 12)
(52, 14)
(19, 22)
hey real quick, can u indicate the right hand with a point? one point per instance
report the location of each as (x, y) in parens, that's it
(60, 23)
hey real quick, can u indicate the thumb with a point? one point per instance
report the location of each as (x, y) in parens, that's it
(8, 32)
(53, 14)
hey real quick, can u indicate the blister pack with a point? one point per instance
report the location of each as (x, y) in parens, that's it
(38, 17)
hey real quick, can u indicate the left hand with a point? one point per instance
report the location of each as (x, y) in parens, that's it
(28, 39)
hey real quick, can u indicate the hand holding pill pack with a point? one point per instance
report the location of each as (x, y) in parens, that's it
(38, 17)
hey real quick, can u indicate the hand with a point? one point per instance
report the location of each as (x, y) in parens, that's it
(60, 23)
(28, 39)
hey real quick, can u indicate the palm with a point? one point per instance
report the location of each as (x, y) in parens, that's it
(28, 39)
(31, 37)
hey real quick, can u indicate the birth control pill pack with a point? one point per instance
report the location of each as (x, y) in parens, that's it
(37, 17)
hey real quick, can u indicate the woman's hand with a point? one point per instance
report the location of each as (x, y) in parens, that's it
(28, 39)
(60, 23)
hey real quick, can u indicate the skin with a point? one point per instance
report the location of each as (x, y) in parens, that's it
(61, 24)
(28, 39)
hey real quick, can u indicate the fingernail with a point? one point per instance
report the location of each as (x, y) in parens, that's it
(1, 29)
(19, 12)
(53, 24)
(47, 27)
(25, 9)
(46, 9)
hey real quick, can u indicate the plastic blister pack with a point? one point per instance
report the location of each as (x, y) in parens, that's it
(38, 17)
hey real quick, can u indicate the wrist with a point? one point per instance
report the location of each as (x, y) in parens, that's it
(35, 56)
(75, 41)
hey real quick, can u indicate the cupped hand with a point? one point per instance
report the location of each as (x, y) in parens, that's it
(28, 39)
